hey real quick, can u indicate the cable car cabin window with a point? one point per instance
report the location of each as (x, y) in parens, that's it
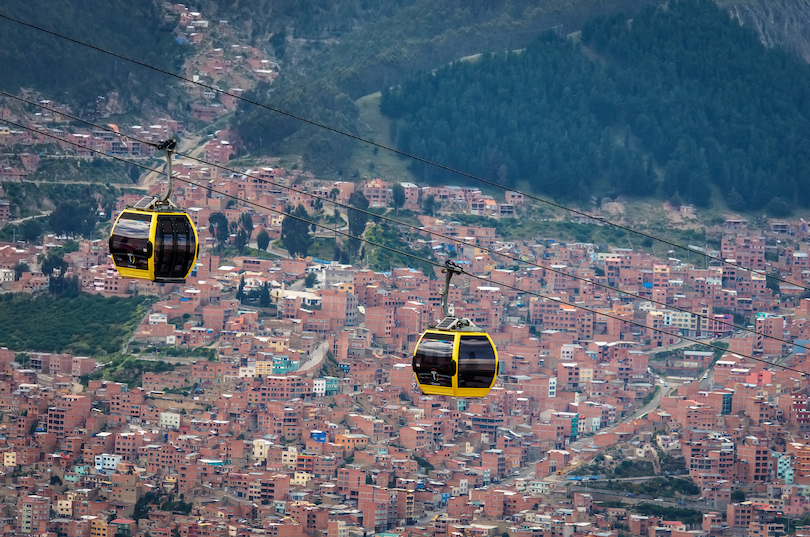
(174, 247)
(476, 362)
(129, 244)
(433, 362)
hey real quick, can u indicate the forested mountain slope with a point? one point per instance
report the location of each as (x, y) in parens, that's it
(671, 103)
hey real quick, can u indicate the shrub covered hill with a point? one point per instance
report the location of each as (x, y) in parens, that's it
(673, 102)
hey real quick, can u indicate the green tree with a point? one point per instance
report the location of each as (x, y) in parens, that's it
(31, 230)
(263, 240)
(219, 227)
(240, 292)
(60, 285)
(246, 220)
(357, 219)
(72, 218)
(772, 283)
(429, 205)
(53, 262)
(310, 280)
(398, 193)
(264, 295)
(779, 207)
(241, 240)
(19, 268)
(295, 232)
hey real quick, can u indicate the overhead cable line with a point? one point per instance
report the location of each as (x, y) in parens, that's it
(396, 151)
(415, 228)
(404, 253)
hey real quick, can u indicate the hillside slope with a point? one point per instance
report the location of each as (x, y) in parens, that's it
(680, 100)
(74, 74)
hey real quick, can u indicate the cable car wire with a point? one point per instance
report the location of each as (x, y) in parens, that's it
(407, 254)
(397, 151)
(419, 229)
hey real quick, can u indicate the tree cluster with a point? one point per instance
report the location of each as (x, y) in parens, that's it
(244, 232)
(83, 324)
(73, 218)
(33, 199)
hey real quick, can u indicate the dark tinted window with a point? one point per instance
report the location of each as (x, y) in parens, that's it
(129, 243)
(175, 247)
(433, 361)
(476, 362)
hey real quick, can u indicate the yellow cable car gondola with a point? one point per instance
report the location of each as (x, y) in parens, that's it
(455, 357)
(154, 239)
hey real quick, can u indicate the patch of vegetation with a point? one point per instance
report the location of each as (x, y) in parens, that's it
(178, 507)
(383, 259)
(423, 463)
(634, 468)
(261, 254)
(687, 516)
(84, 325)
(791, 524)
(669, 357)
(538, 224)
(196, 352)
(586, 469)
(178, 322)
(610, 504)
(666, 487)
(322, 248)
(128, 370)
(672, 464)
(650, 396)
(70, 246)
(142, 506)
(184, 391)
(32, 199)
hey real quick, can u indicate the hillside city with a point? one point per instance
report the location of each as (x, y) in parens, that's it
(638, 394)
(309, 421)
